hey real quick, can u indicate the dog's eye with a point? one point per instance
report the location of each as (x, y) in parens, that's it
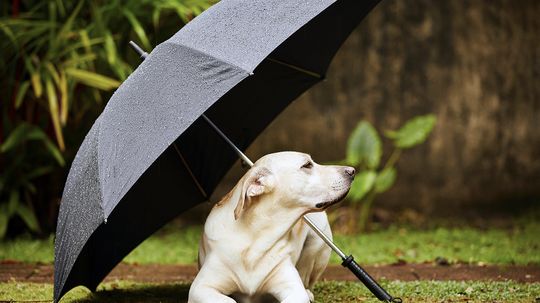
(308, 165)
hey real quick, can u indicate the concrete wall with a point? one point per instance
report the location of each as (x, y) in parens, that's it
(475, 64)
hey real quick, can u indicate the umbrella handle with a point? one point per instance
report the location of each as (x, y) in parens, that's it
(348, 261)
(368, 281)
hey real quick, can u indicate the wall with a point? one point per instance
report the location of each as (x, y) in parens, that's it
(475, 64)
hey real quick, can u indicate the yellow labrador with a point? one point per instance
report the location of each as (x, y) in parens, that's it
(254, 241)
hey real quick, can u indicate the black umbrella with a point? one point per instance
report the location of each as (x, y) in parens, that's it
(150, 156)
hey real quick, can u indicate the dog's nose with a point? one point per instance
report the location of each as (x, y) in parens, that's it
(350, 171)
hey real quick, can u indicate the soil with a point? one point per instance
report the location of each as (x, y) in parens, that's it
(43, 273)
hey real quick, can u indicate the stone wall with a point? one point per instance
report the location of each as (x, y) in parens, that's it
(475, 64)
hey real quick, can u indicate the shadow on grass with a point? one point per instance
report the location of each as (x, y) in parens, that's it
(114, 292)
(126, 292)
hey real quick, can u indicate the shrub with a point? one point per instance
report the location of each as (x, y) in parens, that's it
(60, 61)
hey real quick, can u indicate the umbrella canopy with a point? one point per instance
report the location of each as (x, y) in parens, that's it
(149, 156)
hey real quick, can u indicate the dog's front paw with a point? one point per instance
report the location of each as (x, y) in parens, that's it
(310, 295)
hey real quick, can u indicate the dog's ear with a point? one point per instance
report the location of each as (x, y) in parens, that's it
(256, 183)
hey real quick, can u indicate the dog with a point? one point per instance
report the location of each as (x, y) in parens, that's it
(254, 241)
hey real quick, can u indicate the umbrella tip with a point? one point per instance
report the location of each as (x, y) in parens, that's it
(138, 49)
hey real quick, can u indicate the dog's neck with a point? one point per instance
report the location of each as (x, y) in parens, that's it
(271, 215)
(274, 223)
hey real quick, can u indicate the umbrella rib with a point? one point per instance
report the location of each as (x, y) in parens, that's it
(199, 186)
(297, 68)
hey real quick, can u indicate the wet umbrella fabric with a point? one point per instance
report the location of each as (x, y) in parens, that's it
(149, 156)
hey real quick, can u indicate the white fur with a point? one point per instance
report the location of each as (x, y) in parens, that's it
(254, 240)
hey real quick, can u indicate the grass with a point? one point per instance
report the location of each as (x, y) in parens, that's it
(520, 245)
(326, 291)
(517, 245)
(26, 249)
(175, 245)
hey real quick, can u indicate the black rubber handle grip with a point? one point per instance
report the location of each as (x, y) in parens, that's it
(370, 283)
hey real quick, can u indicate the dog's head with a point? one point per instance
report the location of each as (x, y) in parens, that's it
(294, 180)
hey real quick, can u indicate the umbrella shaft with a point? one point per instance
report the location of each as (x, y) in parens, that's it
(224, 137)
(325, 238)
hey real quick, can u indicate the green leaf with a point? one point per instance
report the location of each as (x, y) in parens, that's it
(71, 48)
(24, 132)
(85, 41)
(17, 136)
(64, 95)
(4, 219)
(364, 146)
(8, 32)
(28, 186)
(52, 18)
(385, 179)
(68, 24)
(52, 72)
(110, 48)
(13, 203)
(35, 78)
(54, 112)
(61, 8)
(155, 17)
(28, 216)
(362, 184)
(38, 172)
(414, 132)
(80, 59)
(23, 88)
(55, 152)
(137, 27)
(92, 79)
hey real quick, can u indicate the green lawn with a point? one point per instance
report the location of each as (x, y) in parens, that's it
(328, 291)
(519, 245)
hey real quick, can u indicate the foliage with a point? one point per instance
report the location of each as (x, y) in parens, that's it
(364, 152)
(16, 179)
(61, 59)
